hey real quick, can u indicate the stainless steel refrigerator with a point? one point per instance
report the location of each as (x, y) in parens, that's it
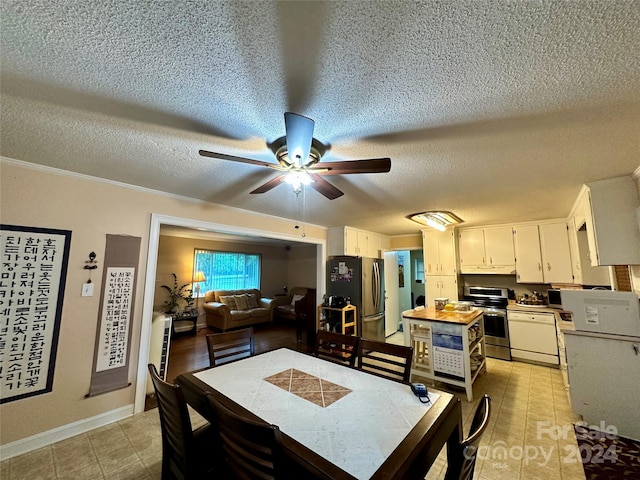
(362, 280)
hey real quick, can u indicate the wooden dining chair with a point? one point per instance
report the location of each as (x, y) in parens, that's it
(186, 453)
(252, 449)
(233, 345)
(336, 347)
(462, 463)
(385, 359)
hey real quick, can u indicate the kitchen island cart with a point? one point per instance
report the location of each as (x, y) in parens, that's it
(449, 347)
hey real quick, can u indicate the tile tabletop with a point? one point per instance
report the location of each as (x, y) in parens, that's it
(351, 418)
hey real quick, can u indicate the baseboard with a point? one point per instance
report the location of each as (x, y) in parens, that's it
(43, 439)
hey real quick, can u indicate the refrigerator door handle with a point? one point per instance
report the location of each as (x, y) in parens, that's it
(376, 285)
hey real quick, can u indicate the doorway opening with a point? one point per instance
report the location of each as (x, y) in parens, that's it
(151, 270)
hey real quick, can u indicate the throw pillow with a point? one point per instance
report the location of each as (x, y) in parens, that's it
(229, 301)
(252, 301)
(296, 298)
(241, 302)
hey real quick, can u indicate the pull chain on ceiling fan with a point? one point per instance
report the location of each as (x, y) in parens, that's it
(299, 161)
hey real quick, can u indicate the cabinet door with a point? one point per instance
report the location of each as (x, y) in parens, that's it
(574, 250)
(449, 287)
(498, 245)
(373, 246)
(613, 223)
(430, 249)
(528, 259)
(556, 256)
(350, 241)
(471, 247)
(447, 252)
(432, 289)
(363, 243)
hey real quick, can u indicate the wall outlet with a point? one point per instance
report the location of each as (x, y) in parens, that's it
(87, 289)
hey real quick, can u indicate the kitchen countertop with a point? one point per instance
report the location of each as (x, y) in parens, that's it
(530, 308)
(563, 325)
(433, 315)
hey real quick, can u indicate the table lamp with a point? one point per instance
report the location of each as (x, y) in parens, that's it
(198, 278)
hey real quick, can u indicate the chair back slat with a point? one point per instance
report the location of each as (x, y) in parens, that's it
(462, 466)
(385, 359)
(177, 436)
(336, 347)
(228, 346)
(252, 449)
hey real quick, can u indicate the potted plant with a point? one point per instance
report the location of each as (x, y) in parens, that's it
(177, 294)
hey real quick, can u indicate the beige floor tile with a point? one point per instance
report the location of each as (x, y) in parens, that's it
(33, 465)
(118, 459)
(133, 471)
(70, 463)
(86, 472)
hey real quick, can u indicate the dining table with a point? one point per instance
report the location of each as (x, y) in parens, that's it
(337, 422)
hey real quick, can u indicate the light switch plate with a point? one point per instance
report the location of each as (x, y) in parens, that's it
(87, 289)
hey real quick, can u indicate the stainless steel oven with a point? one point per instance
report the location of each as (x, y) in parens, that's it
(493, 302)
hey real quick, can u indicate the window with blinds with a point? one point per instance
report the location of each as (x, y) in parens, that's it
(227, 270)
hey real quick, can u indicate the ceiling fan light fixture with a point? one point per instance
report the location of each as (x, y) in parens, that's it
(298, 178)
(439, 220)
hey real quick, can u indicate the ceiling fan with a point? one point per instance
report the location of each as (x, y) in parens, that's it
(298, 155)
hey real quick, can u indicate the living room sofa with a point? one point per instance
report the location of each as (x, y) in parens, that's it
(227, 309)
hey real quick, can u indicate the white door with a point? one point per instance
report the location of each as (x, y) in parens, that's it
(391, 287)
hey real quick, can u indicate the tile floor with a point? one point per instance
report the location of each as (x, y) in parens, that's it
(525, 440)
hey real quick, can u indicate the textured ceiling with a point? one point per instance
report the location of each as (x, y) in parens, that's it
(495, 110)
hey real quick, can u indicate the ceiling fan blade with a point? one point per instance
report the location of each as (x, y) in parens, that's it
(299, 131)
(320, 185)
(224, 156)
(274, 182)
(373, 165)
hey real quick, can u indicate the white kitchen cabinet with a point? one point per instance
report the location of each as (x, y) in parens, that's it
(439, 250)
(604, 380)
(583, 272)
(542, 253)
(610, 217)
(356, 242)
(439, 253)
(486, 250)
(526, 241)
(556, 253)
(439, 286)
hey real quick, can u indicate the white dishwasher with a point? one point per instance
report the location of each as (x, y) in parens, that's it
(533, 337)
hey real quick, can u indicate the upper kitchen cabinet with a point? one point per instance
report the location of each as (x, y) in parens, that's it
(542, 253)
(486, 250)
(607, 210)
(355, 242)
(556, 252)
(441, 279)
(583, 272)
(439, 249)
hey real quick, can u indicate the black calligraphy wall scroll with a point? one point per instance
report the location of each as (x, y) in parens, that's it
(32, 279)
(113, 337)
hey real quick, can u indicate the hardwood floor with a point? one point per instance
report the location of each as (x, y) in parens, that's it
(189, 352)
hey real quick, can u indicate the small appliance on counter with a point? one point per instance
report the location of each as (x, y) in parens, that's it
(534, 300)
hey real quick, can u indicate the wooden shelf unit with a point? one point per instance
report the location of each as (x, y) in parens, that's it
(348, 318)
